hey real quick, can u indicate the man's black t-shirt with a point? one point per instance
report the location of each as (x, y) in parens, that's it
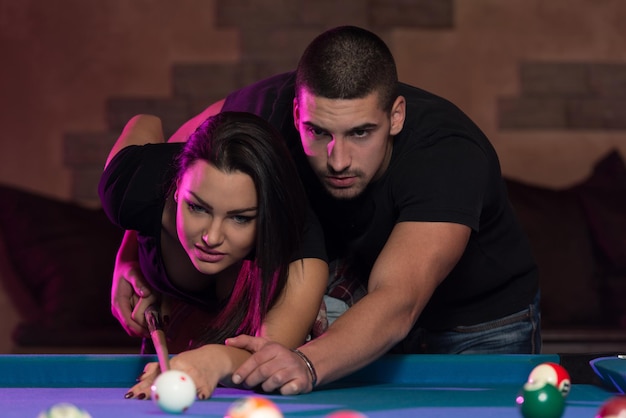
(442, 169)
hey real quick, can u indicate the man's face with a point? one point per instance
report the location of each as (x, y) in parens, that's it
(348, 142)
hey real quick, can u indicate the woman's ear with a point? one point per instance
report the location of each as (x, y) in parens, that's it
(176, 190)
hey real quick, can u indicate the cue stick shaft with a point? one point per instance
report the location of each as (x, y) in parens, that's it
(155, 326)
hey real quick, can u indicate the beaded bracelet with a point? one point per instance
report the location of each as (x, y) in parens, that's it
(309, 366)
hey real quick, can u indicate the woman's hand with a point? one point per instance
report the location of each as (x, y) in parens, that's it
(207, 366)
(130, 294)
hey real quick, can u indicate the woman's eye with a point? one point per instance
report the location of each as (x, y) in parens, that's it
(195, 208)
(316, 132)
(242, 219)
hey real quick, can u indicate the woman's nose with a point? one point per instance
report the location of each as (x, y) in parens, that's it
(212, 234)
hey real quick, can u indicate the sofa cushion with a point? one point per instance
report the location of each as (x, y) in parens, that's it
(8, 307)
(603, 198)
(578, 237)
(61, 259)
(561, 243)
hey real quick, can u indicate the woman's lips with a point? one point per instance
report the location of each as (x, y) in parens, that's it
(209, 256)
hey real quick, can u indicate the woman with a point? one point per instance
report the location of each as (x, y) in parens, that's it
(224, 236)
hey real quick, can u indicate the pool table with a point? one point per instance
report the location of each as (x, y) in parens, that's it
(394, 386)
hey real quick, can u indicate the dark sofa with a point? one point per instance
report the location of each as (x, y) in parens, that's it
(578, 236)
(56, 265)
(56, 261)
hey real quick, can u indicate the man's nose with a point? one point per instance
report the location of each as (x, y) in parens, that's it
(338, 154)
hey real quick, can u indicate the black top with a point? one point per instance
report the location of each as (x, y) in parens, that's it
(133, 189)
(442, 168)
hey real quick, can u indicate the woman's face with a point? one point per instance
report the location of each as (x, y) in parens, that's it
(216, 216)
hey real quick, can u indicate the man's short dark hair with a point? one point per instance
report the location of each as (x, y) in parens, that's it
(348, 62)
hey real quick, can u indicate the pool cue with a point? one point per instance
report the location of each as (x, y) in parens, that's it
(155, 326)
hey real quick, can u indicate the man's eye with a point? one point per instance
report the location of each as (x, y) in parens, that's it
(360, 133)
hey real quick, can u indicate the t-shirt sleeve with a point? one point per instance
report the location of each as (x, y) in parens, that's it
(444, 182)
(135, 182)
(312, 245)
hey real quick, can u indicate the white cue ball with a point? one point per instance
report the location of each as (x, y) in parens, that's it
(174, 391)
(64, 410)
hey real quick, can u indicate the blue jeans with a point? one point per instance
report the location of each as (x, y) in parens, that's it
(518, 333)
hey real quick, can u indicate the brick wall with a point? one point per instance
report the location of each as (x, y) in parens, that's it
(567, 95)
(273, 35)
(576, 95)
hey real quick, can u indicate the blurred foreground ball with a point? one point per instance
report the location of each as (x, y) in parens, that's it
(64, 410)
(253, 407)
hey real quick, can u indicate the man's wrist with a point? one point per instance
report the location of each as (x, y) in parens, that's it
(309, 366)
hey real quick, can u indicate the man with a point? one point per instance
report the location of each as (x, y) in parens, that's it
(412, 201)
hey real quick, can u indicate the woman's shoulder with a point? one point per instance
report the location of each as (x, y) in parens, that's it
(135, 183)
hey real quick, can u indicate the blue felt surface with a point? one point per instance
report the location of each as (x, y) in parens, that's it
(394, 386)
(375, 401)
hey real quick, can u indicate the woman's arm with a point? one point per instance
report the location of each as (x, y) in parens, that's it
(288, 323)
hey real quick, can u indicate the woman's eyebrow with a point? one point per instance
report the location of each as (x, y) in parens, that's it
(230, 212)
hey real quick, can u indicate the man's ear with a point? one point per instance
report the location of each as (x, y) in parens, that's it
(398, 115)
(296, 113)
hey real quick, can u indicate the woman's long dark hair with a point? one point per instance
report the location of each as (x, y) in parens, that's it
(237, 141)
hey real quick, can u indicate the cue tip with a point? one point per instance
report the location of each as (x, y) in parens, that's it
(153, 318)
(155, 326)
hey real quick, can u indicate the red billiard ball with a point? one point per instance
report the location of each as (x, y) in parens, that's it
(253, 407)
(553, 373)
(541, 400)
(613, 408)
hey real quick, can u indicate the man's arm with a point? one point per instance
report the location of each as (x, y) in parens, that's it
(129, 285)
(192, 124)
(130, 294)
(415, 260)
(140, 130)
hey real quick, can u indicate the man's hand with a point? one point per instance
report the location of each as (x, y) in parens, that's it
(130, 296)
(272, 366)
